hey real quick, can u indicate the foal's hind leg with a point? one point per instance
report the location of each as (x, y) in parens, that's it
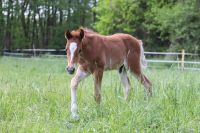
(125, 81)
(135, 67)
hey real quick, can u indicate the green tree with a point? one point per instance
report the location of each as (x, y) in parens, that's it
(178, 25)
(162, 25)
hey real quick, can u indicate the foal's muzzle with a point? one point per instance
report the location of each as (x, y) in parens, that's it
(70, 70)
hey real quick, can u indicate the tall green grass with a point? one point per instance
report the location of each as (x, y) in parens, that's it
(35, 97)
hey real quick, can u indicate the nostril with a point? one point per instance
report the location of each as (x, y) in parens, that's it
(70, 70)
(73, 69)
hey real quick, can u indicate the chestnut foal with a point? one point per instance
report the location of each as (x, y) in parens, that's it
(96, 53)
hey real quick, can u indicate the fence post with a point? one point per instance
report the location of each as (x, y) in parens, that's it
(34, 53)
(182, 58)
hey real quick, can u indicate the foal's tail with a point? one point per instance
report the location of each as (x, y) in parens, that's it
(143, 62)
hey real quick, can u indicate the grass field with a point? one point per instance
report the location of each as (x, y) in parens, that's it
(35, 97)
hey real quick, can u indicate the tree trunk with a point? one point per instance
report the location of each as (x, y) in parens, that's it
(81, 12)
(41, 27)
(33, 39)
(2, 25)
(47, 28)
(198, 4)
(23, 19)
(94, 13)
(69, 14)
(61, 17)
(7, 38)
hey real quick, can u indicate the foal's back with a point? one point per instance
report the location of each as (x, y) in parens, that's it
(113, 49)
(124, 42)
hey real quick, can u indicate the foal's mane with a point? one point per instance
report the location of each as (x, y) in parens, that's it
(88, 30)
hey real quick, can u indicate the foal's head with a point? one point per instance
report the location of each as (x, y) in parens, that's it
(73, 48)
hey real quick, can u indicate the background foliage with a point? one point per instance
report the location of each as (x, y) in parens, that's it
(161, 24)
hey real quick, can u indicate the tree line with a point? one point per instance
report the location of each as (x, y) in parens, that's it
(41, 23)
(161, 24)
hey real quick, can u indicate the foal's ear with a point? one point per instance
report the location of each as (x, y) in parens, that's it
(81, 34)
(68, 35)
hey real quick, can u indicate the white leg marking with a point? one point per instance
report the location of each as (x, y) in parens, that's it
(80, 75)
(125, 83)
(126, 64)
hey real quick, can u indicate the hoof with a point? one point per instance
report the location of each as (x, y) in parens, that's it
(74, 117)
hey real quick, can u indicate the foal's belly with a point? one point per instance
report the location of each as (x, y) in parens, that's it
(113, 63)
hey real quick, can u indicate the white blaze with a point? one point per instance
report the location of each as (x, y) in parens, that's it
(72, 48)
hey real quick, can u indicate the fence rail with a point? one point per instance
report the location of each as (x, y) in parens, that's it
(63, 50)
(17, 54)
(167, 53)
(39, 50)
(61, 53)
(172, 61)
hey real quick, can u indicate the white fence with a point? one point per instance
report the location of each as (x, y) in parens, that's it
(180, 59)
(181, 62)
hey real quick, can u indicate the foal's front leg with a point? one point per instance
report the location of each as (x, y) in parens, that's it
(80, 75)
(98, 74)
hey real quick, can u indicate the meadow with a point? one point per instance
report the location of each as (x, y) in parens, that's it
(35, 97)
